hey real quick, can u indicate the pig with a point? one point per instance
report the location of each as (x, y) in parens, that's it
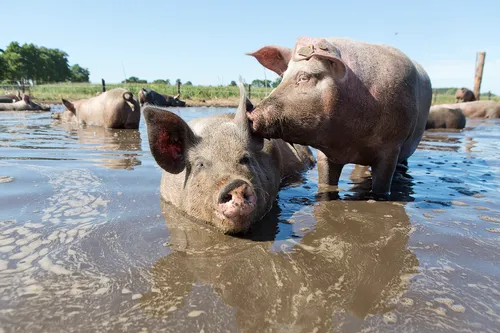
(442, 117)
(355, 102)
(110, 109)
(26, 104)
(476, 109)
(149, 96)
(464, 94)
(216, 170)
(11, 98)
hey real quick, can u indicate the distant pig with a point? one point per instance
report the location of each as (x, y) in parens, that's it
(149, 96)
(216, 170)
(476, 109)
(465, 95)
(442, 117)
(26, 104)
(110, 109)
(355, 102)
(11, 98)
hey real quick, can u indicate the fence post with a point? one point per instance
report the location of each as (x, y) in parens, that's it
(179, 87)
(249, 91)
(103, 85)
(22, 85)
(435, 95)
(479, 74)
(489, 95)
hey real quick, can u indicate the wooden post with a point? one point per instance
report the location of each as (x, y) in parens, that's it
(179, 87)
(22, 85)
(103, 85)
(435, 95)
(249, 91)
(479, 74)
(489, 95)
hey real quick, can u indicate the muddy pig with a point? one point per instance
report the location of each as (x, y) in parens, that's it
(355, 102)
(216, 170)
(149, 96)
(26, 104)
(441, 117)
(110, 109)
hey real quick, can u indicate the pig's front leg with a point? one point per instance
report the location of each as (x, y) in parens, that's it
(328, 172)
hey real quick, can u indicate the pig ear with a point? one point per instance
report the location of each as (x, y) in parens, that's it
(241, 119)
(169, 138)
(68, 105)
(275, 58)
(26, 99)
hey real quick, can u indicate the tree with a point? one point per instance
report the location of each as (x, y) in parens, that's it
(178, 81)
(188, 83)
(79, 74)
(276, 82)
(30, 62)
(233, 84)
(160, 81)
(134, 79)
(261, 83)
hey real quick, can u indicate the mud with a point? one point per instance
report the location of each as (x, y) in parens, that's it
(86, 245)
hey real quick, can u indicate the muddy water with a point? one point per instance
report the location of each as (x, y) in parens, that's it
(87, 246)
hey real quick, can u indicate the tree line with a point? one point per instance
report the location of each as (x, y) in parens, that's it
(30, 62)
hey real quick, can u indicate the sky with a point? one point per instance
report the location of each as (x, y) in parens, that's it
(205, 41)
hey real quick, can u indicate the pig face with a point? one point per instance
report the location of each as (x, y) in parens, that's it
(301, 106)
(215, 170)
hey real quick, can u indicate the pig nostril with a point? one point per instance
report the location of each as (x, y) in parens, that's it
(228, 197)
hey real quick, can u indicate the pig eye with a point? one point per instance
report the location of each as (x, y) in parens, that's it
(200, 164)
(245, 160)
(302, 77)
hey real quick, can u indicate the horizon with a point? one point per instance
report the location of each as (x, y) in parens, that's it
(206, 43)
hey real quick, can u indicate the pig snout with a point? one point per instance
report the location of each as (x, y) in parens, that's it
(237, 200)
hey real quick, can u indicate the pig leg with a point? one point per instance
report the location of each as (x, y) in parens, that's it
(383, 171)
(328, 172)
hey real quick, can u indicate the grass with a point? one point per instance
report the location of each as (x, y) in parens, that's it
(193, 95)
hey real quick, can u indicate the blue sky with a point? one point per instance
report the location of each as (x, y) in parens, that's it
(205, 41)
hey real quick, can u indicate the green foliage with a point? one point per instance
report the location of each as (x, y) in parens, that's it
(261, 83)
(178, 81)
(232, 84)
(277, 82)
(167, 81)
(188, 83)
(134, 79)
(79, 74)
(30, 62)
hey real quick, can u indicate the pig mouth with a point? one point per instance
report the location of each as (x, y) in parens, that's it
(265, 126)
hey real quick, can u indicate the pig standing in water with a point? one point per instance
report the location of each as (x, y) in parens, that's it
(216, 170)
(440, 117)
(110, 109)
(355, 102)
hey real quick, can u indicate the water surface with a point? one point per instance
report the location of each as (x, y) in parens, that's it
(86, 245)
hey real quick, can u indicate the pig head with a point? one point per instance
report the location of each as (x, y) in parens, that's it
(355, 102)
(216, 170)
(110, 109)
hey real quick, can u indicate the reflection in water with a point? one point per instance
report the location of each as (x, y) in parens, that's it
(354, 263)
(85, 248)
(114, 147)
